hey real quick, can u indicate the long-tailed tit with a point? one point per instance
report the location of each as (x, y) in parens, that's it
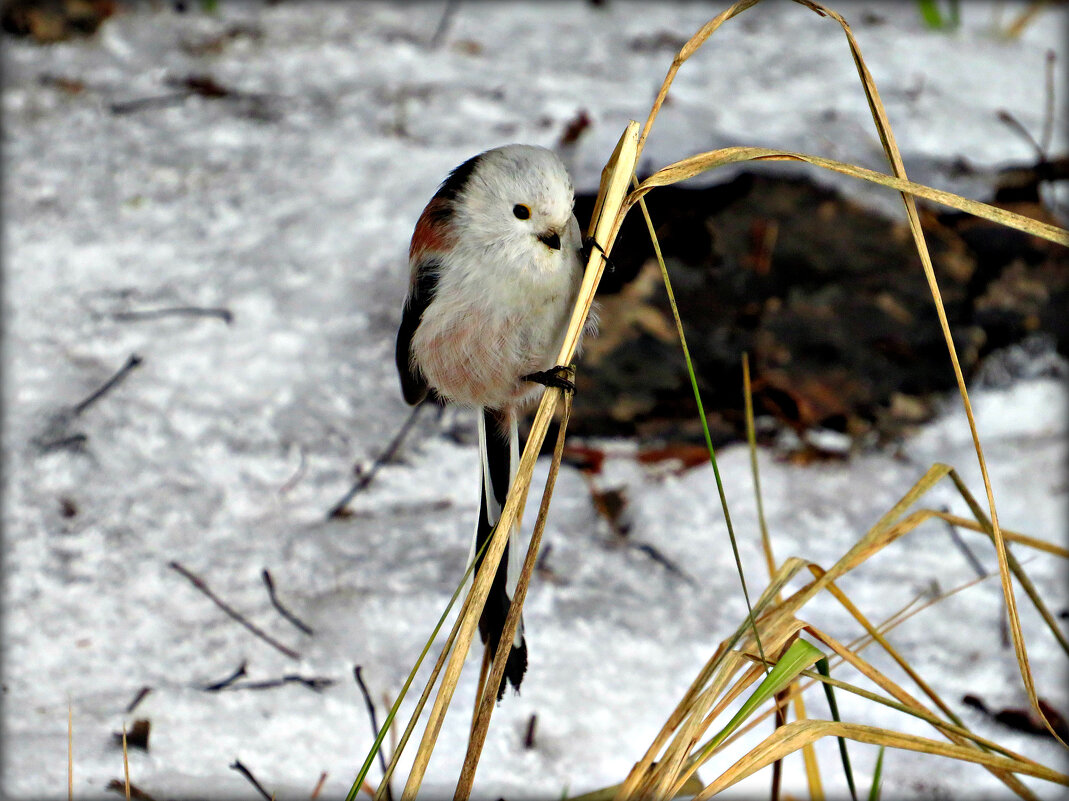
(496, 266)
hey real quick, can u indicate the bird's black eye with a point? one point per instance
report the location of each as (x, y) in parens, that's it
(521, 211)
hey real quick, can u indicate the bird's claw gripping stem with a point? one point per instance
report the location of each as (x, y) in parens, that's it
(590, 244)
(559, 377)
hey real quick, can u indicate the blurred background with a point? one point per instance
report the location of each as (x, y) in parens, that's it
(207, 208)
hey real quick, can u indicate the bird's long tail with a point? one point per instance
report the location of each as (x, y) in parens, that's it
(499, 447)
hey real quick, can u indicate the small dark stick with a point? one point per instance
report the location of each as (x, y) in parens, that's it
(966, 551)
(374, 720)
(157, 101)
(292, 618)
(202, 85)
(443, 23)
(338, 509)
(174, 311)
(664, 561)
(74, 441)
(57, 436)
(1008, 119)
(138, 699)
(248, 775)
(224, 683)
(777, 766)
(529, 738)
(542, 565)
(198, 582)
(107, 386)
(317, 683)
(319, 786)
(978, 568)
(1048, 106)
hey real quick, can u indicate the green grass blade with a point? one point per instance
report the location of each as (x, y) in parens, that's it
(874, 792)
(795, 659)
(704, 422)
(930, 13)
(829, 692)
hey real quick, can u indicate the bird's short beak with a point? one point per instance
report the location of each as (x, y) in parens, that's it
(551, 239)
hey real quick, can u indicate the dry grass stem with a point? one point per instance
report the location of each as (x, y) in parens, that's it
(70, 752)
(907, 700)
(125, 764)
(704, 162)
(790, 738)
(875, 635)
(1009, 536)
(856, 646)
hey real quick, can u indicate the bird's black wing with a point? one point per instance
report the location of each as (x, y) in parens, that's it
(425, 280)
(424, 285)
(455, 182)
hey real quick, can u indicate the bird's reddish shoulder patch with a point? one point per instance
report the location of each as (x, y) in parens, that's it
(432, 230)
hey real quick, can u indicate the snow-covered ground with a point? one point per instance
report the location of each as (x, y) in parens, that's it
(292, 207)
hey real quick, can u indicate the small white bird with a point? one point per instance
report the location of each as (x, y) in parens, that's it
(496, 266)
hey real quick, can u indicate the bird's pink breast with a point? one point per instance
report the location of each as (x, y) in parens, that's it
(474, 360)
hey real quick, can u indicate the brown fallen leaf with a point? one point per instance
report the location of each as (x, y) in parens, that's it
(47, 21)
(610, 504)
(136, 736)
(575, 128)
(585, 458)
(119, 786)
(1023, 719)
(687, 454)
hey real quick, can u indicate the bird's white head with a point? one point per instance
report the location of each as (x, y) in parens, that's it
(519, 200)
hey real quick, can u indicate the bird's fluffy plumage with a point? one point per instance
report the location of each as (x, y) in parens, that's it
(501, 297)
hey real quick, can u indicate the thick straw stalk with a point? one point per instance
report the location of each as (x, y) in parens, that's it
(703, 162)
